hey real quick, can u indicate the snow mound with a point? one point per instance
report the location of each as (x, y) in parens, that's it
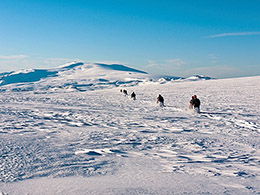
(198, 77)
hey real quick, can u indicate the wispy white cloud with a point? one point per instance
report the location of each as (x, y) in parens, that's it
(13, 57)
(171, 62)
(214, 71)
(213, 58)
(17, 62)
(109, 62)
(167, 67)
(233, 34)
(176, 62)
(151, 63)
(52, 62)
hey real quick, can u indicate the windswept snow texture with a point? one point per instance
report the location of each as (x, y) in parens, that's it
(103, 142)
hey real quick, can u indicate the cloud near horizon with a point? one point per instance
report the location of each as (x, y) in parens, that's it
(234, 34)
(213, 58)
(178, 62)
(108, 62)
(18, 62)
(14, 57)
(151, 63)
(215, 71)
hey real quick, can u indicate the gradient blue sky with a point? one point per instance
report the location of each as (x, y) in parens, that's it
(218, 38)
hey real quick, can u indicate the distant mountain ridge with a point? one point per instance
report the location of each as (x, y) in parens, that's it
(82, 77)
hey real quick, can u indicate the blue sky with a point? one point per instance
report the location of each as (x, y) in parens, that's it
(218, 38)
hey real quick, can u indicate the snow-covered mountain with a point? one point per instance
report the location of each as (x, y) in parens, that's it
(79, 76)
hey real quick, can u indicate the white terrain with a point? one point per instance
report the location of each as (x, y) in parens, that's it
(70, 130)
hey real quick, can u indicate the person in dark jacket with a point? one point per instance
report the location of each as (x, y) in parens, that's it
(160, 100)
(124, 92)
(195, 103)
(133, 96)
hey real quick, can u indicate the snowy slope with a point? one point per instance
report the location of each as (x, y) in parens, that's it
(77, 76)
(102, 142)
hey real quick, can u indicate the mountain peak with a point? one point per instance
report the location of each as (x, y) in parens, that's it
(71, 65)
(78, 75)
(82, 77)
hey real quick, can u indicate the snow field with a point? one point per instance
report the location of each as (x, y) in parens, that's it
(104, 136)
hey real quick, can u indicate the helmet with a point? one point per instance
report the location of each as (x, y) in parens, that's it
(194, 96)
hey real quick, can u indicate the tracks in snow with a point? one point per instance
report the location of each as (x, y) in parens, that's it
(88, 133)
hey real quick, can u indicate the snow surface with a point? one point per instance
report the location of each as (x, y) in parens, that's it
(102, 142)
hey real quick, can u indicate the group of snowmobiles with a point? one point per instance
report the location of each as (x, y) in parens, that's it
(194, 102)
